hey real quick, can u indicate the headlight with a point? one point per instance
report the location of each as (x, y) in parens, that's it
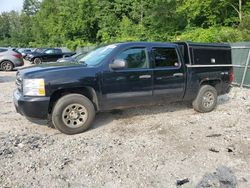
(33, 87)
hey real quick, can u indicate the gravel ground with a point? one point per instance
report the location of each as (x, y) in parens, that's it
(160, 146)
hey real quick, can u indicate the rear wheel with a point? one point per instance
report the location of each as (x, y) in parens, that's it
(37, 61)
(7, 66)
(73, 114)
(206, 99)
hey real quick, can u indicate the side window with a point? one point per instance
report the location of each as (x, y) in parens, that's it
(135, 57)
(58, 51)
(3, 50)
(50, 51)
(165, 57)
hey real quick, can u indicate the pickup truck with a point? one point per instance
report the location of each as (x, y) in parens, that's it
(124, 75)
(46, 55)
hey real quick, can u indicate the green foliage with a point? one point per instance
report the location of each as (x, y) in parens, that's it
(75, 23)
(31, 7)
(212, 34)
(245, 27)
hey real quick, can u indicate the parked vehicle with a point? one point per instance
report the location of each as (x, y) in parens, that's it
(34, 50)
(24, 51)
(73, 58)
(9, 59)
(46, 55)
(124, 75)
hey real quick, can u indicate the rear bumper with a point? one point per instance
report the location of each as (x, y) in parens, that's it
(31, 107)
(19, 62)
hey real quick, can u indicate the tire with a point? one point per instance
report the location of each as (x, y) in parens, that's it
(7, 66)
(37, 61)
(73, 114)
(206, 99)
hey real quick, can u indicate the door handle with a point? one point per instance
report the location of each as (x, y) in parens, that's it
(144, 76)
(178, 74)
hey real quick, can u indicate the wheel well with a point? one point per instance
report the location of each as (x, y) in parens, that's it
(35, 58)
(215, 83)
(86, 91)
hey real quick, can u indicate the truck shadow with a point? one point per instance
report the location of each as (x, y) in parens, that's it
(104, 118)
(223, 99)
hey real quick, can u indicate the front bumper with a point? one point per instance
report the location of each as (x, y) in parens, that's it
(31, 107)
(28, 58)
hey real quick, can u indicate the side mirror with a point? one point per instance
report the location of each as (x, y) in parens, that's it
(118, 64)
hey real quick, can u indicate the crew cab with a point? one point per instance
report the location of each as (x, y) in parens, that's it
(124, 75)
(46, 55)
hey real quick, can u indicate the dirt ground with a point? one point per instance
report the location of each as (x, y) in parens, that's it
(156, 146)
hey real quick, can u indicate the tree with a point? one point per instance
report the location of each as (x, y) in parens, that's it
(76, 23)
(31, 7)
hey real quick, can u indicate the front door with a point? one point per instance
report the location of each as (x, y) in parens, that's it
(169, 74)
(129, 86)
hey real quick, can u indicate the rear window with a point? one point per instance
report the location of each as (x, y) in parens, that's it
(165, 57)
(3, 50)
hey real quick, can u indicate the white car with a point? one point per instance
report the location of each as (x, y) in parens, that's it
(9, 59)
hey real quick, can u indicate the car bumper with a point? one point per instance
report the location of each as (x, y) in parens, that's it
(28, 58)
(19, 62)
(31, 107)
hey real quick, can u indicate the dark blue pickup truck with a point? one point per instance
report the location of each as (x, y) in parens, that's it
(124, 75)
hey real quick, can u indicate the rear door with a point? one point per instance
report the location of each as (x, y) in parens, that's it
(169, 74)
(49, 55)
(58, 54)
(52, 55)
(130, 86)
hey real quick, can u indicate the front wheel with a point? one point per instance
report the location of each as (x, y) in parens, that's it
(73, 114)
(206, 99)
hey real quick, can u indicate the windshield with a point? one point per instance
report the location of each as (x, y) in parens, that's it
(95, 57)
(80, 56)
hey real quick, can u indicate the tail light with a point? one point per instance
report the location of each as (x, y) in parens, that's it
(231, 75)
(19, 56)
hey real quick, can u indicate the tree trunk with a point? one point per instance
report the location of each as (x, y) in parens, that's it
(240, 10)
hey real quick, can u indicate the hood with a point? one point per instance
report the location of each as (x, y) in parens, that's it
(37, 69)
